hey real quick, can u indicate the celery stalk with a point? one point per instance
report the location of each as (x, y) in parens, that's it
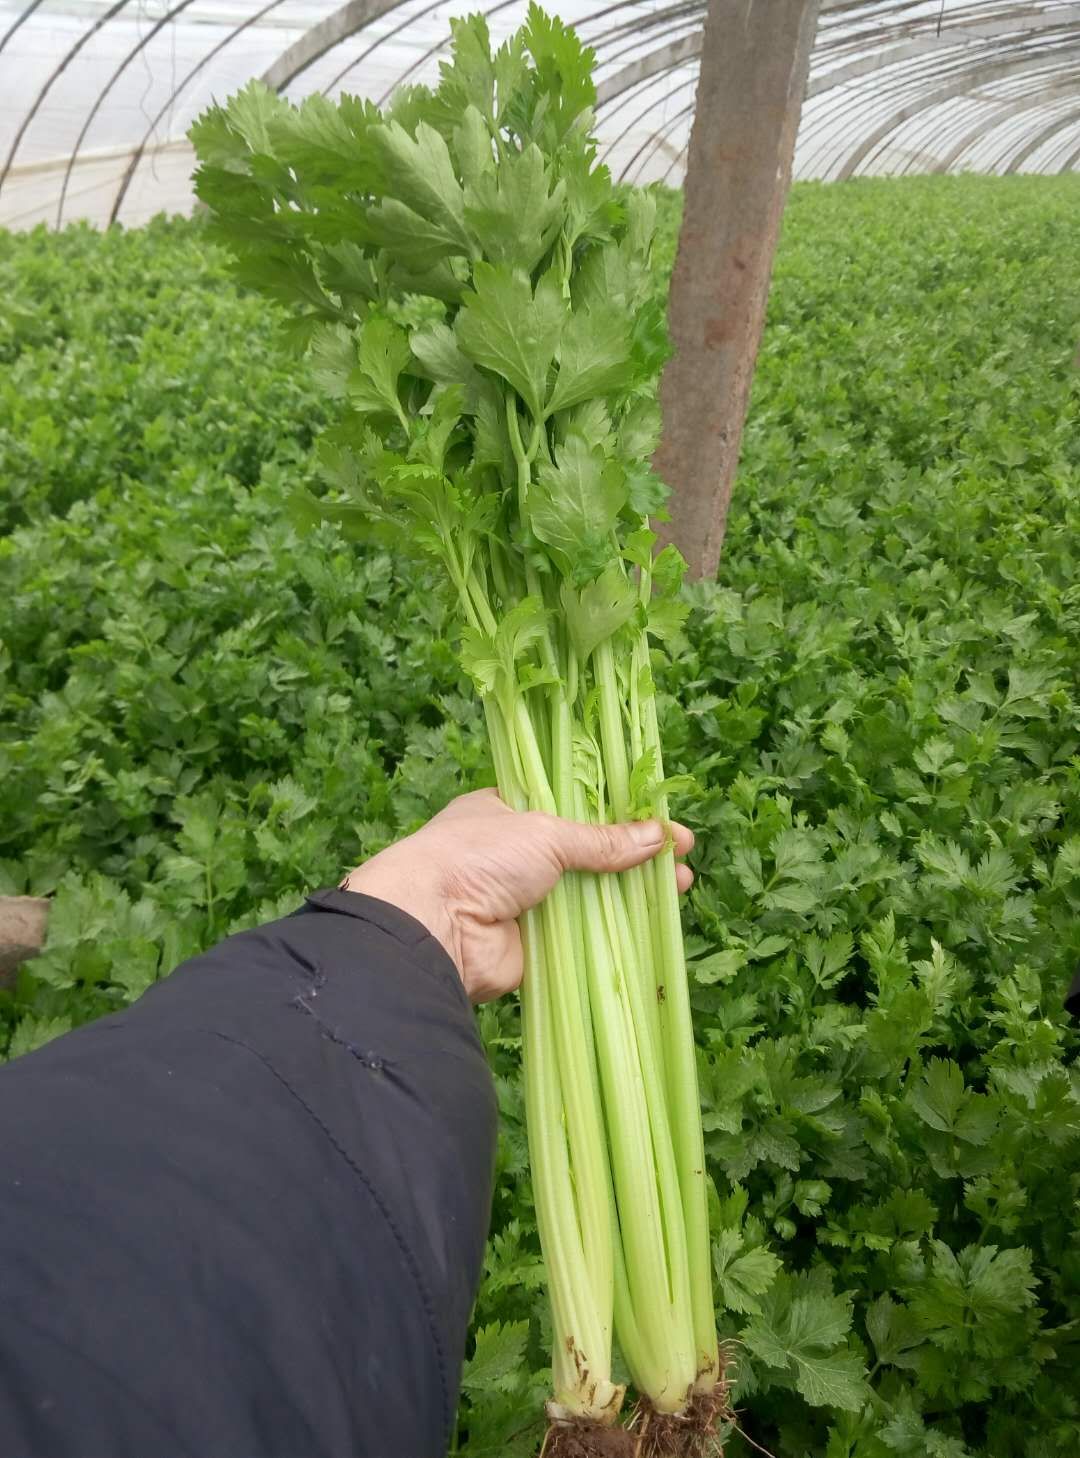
(477, 297)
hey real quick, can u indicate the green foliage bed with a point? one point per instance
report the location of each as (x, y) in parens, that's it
(879, 695)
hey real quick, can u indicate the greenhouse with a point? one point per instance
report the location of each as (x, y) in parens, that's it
(97, 98)
(539, 729)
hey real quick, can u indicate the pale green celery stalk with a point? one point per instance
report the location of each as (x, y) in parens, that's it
(563, 784)
(658, 1347)
(570, 1044)
(567, 1144)
(581, 1355)
(565, 1123)
(662, 1307)
(613, 930)
(681, 1347)
(582, 1314)
(617, 779)
(637, 749)
(564, 787)
(660, 1363)
(562, 970)
(680, 1058)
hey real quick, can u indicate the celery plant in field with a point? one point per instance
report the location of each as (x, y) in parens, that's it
(475, 294)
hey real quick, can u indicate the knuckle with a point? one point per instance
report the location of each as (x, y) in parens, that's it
(609, 844)
(546, 831)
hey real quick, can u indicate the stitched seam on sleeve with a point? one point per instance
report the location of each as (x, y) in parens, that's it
(377, 1062)
(402, 1245)
(370, 1059)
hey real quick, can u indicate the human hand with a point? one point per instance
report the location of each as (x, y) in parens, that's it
(469, 873)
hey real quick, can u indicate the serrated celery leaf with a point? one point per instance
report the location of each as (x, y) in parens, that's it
(574, 502)
(420, 175)
(512, 331)
(599, 609)
(594, 357)
(514, 212)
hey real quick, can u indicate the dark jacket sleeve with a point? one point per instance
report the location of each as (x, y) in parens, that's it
(1072, 1001)
(245, 1218)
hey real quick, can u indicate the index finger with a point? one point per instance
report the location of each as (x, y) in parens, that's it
(472, 802)
(683, 837)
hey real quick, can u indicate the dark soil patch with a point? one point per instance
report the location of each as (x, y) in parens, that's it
(589, 1440)
(696, 1433)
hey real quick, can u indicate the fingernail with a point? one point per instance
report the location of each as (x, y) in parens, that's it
(647, 832)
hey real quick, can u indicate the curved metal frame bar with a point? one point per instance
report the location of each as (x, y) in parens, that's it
(659, 141)
(881, 65)
(158, 26)
(19, 21)
(989, 71)
(640, 117)
(52, 78)
(1070, 162)
(339, 76)
(323, 37)
(1040, 138)
(666, 58)
(1032, 98)
(144, 143)
(959, 33)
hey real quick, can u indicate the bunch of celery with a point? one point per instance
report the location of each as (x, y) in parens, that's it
(476, 294)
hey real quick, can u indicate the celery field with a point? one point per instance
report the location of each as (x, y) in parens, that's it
(207, 707)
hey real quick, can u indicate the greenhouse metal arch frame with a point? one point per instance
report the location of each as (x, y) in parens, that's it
(893, 86)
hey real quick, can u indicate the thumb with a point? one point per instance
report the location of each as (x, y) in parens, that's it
(583, 847)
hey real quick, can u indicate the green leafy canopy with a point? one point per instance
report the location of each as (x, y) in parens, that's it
(465, 237)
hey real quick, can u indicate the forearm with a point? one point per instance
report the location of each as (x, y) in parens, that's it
(267, 1184)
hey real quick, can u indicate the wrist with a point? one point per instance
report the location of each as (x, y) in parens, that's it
(414, 894)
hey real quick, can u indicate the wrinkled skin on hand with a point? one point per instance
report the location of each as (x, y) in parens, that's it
(469, 873)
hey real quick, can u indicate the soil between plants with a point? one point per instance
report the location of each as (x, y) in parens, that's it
(651, 1434)
(589, 1440)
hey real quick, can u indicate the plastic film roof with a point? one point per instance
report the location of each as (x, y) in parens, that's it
(96, 95)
